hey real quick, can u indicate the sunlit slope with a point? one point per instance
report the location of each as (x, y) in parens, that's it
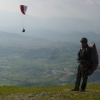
(49, 93)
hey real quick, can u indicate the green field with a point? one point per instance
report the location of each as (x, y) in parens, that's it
(28, 61)
(60, 92)
(36, 67)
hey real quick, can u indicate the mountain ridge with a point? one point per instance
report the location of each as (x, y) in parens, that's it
(12, 22)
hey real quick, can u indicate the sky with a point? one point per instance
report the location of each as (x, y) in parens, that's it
(59, 8)
(67, 15)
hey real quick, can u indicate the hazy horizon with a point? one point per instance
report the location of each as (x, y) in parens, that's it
(13, 23)
(51, 15)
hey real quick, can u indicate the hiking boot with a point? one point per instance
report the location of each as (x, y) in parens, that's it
(82, 90)
(75, 89)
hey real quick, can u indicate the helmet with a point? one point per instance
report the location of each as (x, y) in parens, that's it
(84, 40)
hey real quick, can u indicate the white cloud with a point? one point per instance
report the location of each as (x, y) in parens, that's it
(49, 8)
(67, 8)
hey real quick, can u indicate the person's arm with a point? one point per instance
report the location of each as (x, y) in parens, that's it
(79, 58)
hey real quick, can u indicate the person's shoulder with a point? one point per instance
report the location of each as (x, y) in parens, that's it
(89, 48)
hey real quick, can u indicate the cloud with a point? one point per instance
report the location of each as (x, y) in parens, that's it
(67, 8)
(93, 2)
(86, 2)
(60, 8)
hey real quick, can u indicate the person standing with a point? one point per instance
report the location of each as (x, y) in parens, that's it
(84, 57)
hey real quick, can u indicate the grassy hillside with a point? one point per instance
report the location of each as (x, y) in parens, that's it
(49, 93)
(44, 66)
(48, 65)
(32, 61)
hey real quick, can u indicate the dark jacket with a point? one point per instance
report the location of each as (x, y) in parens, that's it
(84, 54)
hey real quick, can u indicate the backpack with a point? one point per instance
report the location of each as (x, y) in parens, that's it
(94, 58)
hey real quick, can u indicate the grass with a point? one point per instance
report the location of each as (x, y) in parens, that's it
(60, 92)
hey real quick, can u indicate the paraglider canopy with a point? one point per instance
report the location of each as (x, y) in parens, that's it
(23, 9)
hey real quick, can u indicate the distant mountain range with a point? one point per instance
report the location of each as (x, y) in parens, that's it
(72, 36)
(13, 22)
(47, 35)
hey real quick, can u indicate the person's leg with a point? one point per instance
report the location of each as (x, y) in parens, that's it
(84, 77)
(84, 83)
(78, 79)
